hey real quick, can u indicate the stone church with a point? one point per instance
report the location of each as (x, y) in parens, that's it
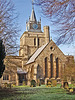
(39, 57)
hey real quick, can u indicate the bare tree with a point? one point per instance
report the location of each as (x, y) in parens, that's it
(62, 15)
(9, 31)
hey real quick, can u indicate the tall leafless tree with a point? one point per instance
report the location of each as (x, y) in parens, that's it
(9, 31)
(62, 15)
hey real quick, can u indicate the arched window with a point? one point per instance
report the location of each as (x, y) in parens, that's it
(34, 41)
(5, 77)
(51, 60)
(57, 68)
(46, 68)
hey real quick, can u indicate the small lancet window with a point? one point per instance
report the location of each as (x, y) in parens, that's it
(38, 41)
(34, 41)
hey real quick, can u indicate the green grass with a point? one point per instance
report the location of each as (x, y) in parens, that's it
(71, 85)
(35, 93)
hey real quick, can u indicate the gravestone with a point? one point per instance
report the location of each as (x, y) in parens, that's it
(65, 85)
(42, 81)
(54, 82)
(49, 84)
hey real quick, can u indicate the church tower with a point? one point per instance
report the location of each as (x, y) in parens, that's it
(33, 38)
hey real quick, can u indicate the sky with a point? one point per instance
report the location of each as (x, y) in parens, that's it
(24, 8)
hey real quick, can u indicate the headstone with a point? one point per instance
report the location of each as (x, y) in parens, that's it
(54, 82)
(66, 85)
(42, 81)
(49, 83)
(46, 80)
(33, 83)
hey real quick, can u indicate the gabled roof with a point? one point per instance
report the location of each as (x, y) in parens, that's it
(35, 55)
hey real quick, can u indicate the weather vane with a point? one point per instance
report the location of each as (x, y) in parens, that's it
(32, 4)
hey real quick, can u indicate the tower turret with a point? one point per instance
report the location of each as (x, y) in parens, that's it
(46, 32)
(33, 25)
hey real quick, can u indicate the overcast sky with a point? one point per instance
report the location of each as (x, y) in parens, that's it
(24, 8)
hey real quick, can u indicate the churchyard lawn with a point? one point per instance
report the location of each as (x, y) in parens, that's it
(36, 93)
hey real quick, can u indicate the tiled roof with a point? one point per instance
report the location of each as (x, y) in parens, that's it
(20, 71)
(35, 55)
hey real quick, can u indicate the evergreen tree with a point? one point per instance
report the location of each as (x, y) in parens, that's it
(2, 56)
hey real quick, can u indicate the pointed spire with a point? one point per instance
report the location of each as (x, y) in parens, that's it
(51, 38)
(33, 17)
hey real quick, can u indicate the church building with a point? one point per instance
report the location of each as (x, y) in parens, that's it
(39, 57)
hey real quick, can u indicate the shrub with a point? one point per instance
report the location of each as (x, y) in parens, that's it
(70, 90)
(54, 82)
(13, 85)
(23, 83)
(9, 85)
(5, 85)
(33, 83)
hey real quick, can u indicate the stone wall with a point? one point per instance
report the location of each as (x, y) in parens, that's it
(27, 41)
(11, 64)
(51, 48)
